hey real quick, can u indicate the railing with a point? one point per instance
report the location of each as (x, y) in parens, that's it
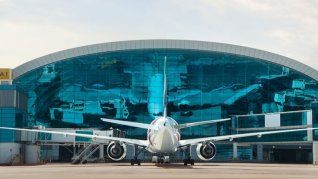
(85, 153)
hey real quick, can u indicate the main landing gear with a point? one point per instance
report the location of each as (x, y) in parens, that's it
(188, 159)
(136, 160)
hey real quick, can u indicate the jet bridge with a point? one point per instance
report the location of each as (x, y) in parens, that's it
(300, 147)
(53, 147)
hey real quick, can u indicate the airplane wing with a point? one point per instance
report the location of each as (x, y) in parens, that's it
(93, 137)
(127, 123)
(235, 136)
(181, 126)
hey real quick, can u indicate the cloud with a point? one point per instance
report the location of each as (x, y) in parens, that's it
(34, 28)
(287, 27)
(3, 3)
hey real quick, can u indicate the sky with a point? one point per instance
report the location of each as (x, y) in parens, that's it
(33, 28)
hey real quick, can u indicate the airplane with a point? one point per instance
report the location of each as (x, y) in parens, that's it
(163, 137)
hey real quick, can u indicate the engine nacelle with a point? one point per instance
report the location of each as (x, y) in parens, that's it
(116, 151)
(206, 151)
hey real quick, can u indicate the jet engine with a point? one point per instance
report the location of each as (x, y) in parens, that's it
(116, 151)
(206, 151)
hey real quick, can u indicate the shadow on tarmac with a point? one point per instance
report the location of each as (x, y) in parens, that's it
(179, 166)
(168, 165)
(174, 166)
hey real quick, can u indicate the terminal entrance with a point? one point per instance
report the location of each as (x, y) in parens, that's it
(292, 155)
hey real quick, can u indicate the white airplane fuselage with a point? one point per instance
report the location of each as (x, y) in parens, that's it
(163, 136)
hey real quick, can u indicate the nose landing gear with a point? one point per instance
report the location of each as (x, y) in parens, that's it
(160, 159)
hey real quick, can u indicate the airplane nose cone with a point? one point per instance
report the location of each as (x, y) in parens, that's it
(165, 140)
(166, 133)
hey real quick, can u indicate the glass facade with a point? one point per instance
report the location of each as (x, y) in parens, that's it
(12, 112)
(11, 117)
(202, 85)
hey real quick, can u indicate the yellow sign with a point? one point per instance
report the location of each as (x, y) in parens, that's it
(5, 74)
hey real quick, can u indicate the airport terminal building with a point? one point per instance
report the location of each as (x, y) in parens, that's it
(72, 89)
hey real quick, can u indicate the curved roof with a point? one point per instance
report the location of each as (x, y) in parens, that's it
(165, 44)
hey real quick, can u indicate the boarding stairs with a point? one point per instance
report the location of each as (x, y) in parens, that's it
(85, 154)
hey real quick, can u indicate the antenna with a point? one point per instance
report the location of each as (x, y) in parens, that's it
(165, 97)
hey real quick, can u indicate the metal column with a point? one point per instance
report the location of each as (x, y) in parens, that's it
(309, 122)
(260, 152)
(315, 153)
(235, 155)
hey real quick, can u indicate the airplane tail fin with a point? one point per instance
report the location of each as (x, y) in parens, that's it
(165, 97)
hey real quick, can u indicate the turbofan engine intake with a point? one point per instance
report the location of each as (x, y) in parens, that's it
(116, 151)
(206, 151)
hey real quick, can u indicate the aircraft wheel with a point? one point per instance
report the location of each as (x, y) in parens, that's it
(185, 162)
(192, 162)
(133, 162)
(160, 161)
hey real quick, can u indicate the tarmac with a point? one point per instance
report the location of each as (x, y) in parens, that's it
(149, 170)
